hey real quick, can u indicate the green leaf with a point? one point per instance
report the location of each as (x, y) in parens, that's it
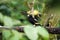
(6, 34)
(15, 35)
(22, 36)
(43, 33)
(8, 21)
(16, 22)
(31, 33)
(11, 35)
(1, 17)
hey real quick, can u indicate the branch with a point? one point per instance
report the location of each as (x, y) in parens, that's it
(50, 30)
(21, 29)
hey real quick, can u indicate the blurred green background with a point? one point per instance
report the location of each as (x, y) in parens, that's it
(10, 15)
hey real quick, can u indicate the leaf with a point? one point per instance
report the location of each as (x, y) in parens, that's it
(43, 33)
(1, 17)
(16, 35)
(8, 21)
(6, 34)
(23, 37)
(11, 35)
(16, 22)
(31, 33)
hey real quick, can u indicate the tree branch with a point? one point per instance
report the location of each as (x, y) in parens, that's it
(50, 30)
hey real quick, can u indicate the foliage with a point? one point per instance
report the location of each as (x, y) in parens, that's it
(14, 8)
(32, 33)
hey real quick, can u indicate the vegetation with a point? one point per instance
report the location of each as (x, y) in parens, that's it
(15, 13)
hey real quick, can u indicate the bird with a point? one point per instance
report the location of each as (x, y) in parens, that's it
(32, 17)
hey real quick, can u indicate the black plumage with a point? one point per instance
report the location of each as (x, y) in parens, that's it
(31, 19)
